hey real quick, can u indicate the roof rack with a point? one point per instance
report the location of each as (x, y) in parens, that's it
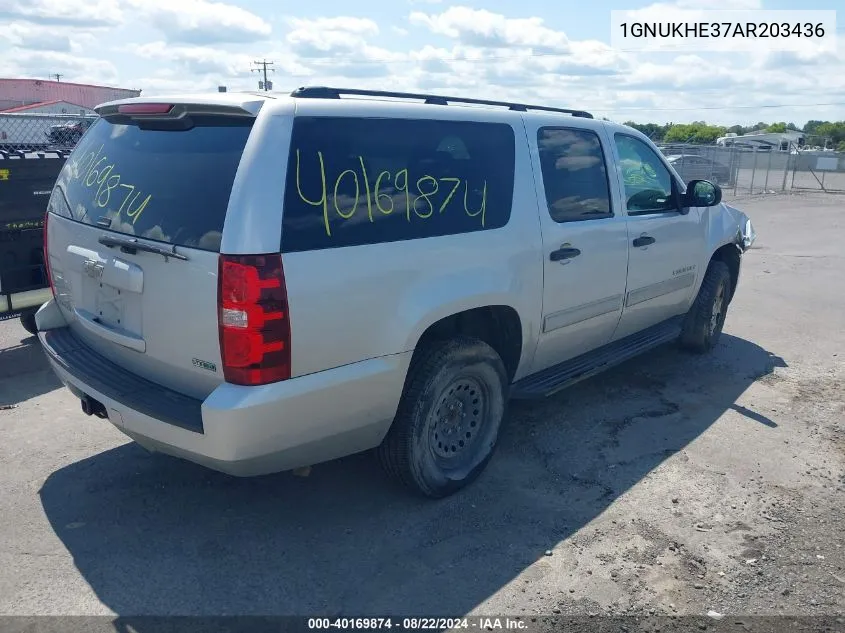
(324, 92)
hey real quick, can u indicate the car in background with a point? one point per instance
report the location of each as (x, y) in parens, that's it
(68, 134)
(693, 167)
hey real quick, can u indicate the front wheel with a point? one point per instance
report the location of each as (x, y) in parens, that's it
(706, 318)
(447, 425)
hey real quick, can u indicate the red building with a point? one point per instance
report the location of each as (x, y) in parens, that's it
(15, 93)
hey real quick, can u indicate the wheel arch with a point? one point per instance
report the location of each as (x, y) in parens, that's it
(499, 325)
(732, 257)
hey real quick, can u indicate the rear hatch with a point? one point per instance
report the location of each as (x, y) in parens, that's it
(134, 231)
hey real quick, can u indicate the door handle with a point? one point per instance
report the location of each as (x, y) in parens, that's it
(643, 240)
(564, 253)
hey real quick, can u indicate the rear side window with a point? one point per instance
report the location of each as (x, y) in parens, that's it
(170, 186)
(354, 181)
(574, 174)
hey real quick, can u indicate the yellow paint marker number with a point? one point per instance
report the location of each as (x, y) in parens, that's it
(385, 192)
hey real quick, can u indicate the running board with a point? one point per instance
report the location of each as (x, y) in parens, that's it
(557, 377)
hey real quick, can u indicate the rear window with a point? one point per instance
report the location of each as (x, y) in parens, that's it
(170, 186)
(354, 181)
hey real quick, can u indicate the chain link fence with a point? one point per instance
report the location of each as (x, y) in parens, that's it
(742, 170)
(33, 149)
(738, 170)
(41, 132)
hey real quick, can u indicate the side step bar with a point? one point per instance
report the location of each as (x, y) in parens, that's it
(558, 377)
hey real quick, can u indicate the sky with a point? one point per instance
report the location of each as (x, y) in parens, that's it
(532, 51)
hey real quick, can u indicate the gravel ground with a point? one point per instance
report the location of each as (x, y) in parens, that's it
(674, 484)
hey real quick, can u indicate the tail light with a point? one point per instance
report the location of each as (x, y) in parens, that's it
(47, 272)
(253, 319)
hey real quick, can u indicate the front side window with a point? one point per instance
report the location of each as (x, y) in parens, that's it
(354, 181)
(648, 184)
(574, 174)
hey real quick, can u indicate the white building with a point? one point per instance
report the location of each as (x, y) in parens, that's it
(22, 92)
(770, 140)
(52, 107)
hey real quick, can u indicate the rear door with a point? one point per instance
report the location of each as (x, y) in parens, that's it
(585, 248)
(134, 234)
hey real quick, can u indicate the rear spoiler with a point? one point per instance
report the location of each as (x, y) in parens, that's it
(173, 106)
(164, 115)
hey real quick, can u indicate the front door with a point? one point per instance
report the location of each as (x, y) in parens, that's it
(666, 243)
(585, 246)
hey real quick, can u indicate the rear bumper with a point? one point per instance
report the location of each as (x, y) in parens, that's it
(239, 430)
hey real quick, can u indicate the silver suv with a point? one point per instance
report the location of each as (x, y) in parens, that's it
(258, 284)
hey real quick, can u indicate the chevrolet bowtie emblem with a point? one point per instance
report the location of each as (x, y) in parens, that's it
(93, 269)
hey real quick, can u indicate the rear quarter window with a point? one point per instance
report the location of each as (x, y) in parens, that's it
(354, 181)
(166, 185)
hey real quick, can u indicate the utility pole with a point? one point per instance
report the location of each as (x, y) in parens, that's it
(57, 76)
(262, 68)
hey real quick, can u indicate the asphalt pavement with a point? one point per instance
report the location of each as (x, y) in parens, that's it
(673, 484)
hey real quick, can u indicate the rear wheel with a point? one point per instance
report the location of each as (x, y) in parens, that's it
(448, 421)
(706, 318)
(28, 323)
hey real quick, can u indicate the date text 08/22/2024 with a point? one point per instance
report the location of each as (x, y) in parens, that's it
(418, 623)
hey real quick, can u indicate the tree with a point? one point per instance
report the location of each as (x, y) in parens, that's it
(812, 127)
(827, 133)
(834, 131)
(654, 131)
(698, 132)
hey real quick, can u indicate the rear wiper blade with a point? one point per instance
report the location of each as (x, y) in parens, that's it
(132, 245)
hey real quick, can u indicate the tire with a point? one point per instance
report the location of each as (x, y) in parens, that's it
(704, 322)
(464, 380)
(28, 323)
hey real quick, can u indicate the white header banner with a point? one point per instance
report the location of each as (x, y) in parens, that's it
(668, 29)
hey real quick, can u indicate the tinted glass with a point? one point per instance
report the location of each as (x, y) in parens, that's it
(648, 184)
(169, 186)
(358, 181)
(574, 174)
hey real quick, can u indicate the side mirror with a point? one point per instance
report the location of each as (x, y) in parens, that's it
(702, 193)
